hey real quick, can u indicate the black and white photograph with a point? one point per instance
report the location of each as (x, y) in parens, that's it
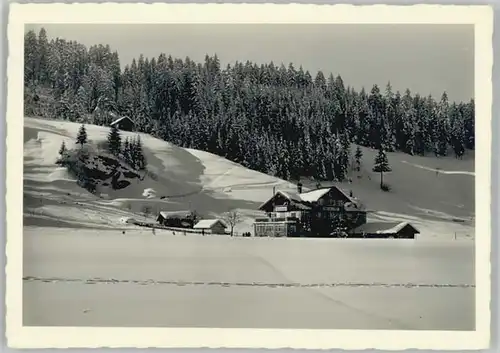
(284, 176)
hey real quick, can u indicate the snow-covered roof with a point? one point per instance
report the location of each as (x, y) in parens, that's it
(314, 195)
(208, 223)
(398, 227)
(383, 227)
(120, 119)
(290, 195)
(352, 199)
(175, 214)
(301, 200)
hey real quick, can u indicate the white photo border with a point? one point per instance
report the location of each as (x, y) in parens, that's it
(19, 336)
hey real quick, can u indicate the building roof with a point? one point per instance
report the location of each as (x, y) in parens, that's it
(290, 195)
(208, 223)
(175, 214)
(120, 119)
(383, 227)
(314, 195)
(301, 200)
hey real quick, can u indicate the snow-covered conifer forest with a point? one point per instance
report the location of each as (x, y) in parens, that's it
(277, 119)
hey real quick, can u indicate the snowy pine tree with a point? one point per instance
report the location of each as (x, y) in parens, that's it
(344, 156)
(140, 159)
(357, 156)
(30, 57)
(381, 165)
(457, 133)
(114, 141)
(63, 149)
(81, 138)
(126, 153)
(43, 48)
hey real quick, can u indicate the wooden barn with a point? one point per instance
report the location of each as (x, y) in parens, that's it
(316, 213)
(212, 226)
(385, 230)
(124, 123)
(177, 219)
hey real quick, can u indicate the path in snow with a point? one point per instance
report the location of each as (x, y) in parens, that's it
(450, 172)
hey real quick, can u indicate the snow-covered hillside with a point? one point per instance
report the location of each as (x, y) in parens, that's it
(97, 276)
(182, 178)
(178, 179)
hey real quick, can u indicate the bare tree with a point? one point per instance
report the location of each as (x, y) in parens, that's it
(232, 218)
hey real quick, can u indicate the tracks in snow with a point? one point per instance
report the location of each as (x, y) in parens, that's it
(145, 282)
(440, 171)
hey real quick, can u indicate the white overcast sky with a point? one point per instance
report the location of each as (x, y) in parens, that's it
(428, 59)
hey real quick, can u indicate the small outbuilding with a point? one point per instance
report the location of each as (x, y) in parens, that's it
(213, 226)
(124, 123)
(180, 219)
(386, 230)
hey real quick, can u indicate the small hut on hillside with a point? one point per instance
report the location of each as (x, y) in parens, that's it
(213, 226)
(124, 123)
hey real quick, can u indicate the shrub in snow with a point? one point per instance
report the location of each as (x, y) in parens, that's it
(127, 220)
(91, 169)
(385, 187)
(149, 193)
(75, 162)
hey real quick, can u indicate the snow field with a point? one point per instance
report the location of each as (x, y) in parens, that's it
(100, 278)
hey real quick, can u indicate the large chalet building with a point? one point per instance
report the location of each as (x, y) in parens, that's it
(316, 213)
